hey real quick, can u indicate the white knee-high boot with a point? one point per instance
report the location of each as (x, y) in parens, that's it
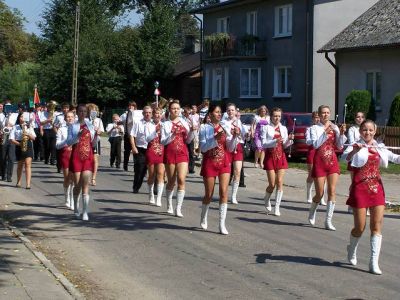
(170, 208)
(71, 196)
(235, 187)
(309, 191)
(330, 208)
(151, 194)
(223, 207)
(67, 196)
(278, 199)
(323, 202)
(376, 243)
(267, 201)
(204, 215)
(85, 207)
(180, 195)
(352, 249)
(77, 195)
(312, 213)
(160, 189)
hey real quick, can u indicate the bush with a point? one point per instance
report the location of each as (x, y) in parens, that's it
(357, 100)
(394, 117)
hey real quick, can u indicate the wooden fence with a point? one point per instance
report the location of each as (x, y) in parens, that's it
(390, 136)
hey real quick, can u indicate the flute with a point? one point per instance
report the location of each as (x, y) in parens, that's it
(290, 149)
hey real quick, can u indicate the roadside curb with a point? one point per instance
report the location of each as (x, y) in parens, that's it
(70, 288)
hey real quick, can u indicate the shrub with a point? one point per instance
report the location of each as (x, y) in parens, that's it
(357, 100)
(394, 117)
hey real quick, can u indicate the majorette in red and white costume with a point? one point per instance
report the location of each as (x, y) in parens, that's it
(174, 136)
(275, 158)
(325, 163)
(217, 158)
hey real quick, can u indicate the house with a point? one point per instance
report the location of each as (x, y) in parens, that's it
(264, 52)
(367, 56)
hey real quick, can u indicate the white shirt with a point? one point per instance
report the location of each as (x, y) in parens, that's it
(319, 136)
(61, 139)
(353, 134)
(16, 132)
(2, 120)
(12, 119)
(139, 129)
(98, 127)
(59, 120)
(207, 139)
(43, 116)
(268, 139)
(229, 124)
(127, 120)
(114, 131)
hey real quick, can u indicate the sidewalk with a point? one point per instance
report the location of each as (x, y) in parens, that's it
(22, 275)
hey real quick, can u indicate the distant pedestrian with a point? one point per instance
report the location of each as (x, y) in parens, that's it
(115, 131)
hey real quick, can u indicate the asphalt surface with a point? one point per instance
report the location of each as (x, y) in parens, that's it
(130, 250)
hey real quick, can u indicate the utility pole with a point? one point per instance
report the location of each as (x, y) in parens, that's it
(76, 56)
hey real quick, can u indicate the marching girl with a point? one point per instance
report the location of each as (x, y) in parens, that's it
(326, 137)
(235, 127)
(80, 137)
(21, 136)
(155, 157)
(353, 134)
(216, 144)
(275, 139)
(366, 191)
(310, 160)
(175, 134)
(262, 119)
(98, 129)
(64, 157)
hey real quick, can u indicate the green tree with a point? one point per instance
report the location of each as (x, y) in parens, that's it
(357, 100)
(394, 118)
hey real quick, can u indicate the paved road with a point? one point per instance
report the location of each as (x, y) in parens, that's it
(130, 250)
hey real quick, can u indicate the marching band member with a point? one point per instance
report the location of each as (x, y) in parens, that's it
(366, 191)
(235, 127)
(353, 134)
(127, 121)
(38, 151)
(115, 131)
(139, 146)
(175, 134)
(80, 137)
(49, 135)
(8, 148)
(64, 156)
(186, 116)
(275, 139)
(326, 137)
(22, 136)
(98, 129)
(59, 121)
(216, 142)
(310, 160)
(262, 119)
(155, 158)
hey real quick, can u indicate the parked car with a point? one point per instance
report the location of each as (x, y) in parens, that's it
(303, 121)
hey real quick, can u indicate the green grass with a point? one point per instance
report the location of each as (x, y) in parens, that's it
(392, 169)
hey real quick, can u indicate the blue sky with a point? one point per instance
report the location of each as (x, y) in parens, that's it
(32, 10)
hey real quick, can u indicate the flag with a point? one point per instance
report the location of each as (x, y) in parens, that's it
(36, 99)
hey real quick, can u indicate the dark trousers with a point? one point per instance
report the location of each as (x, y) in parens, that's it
(7, 160)
(49, 142)
(127, 150)
(191, 156)
(140, 168)
(38, 146)
(115, 150)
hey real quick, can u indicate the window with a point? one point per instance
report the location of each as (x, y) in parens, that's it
(217, 84)
(250, 83)
(252, 23)
(283, 21)
(283, 81)
(374, 85)
(223, 25)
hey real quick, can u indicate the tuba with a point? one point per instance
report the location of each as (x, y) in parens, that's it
(51, 108)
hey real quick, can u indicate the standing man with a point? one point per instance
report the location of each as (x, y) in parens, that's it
(8, 149)
(190, 146)
(49, 137)
(115, 131)
(38, 128)
(127, 121)
(139, 146)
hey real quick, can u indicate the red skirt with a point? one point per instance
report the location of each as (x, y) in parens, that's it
(176, 152)
(64, 157)
(275, 159)
(211, 168)
(78, 163)
(310, 155)
(237, 155)
(325, 165)
(154, 157)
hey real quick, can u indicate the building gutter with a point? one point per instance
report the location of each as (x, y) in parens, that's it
(336, 81)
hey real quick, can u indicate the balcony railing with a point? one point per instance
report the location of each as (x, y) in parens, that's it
(223, 45)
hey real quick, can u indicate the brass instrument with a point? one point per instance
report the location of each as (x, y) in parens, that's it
(51, 108)
(4, 135)
(25, 138)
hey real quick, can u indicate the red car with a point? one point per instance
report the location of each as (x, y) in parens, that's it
(303, 121)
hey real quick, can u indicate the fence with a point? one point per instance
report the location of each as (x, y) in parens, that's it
(390, 136)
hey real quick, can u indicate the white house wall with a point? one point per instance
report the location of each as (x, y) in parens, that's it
(330, 18)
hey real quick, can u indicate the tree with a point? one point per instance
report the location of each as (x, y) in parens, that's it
(394, 118)
(357, 100)
(14, 42)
